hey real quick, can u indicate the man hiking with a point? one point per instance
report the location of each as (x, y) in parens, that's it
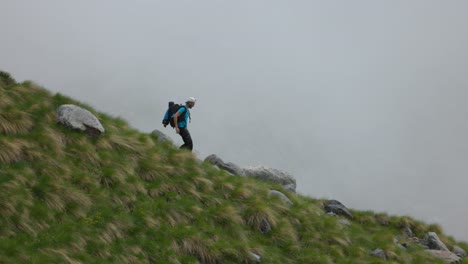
(179, 120)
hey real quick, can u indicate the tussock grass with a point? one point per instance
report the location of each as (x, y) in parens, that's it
(12, 150)
(124, 197)
(13, 121)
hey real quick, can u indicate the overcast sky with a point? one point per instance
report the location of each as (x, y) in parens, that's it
(362, 101)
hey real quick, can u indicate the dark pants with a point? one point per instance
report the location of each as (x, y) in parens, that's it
(185, 134)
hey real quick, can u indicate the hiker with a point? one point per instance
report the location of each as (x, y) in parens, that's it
(179, 116)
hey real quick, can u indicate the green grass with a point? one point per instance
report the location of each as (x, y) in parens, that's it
(125, 198)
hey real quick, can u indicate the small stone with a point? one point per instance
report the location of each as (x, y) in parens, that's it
(255, 257)
(281, 195)
(379, 253)
(344, 222)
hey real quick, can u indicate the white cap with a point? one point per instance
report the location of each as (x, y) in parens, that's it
(191, 99)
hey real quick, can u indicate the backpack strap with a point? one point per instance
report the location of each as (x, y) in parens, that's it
(190, 117)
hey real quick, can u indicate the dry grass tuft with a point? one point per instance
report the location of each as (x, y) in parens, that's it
(176, 217)
(228, 214)
(194, 193)
(125, 143)
(82, 148)
(154, 167)
(152, 222)
(112, 232)
(15, 122)
(242, 193)
(12, 150)
(286, 234)
(203, 183)
(62, 253)
(183, 156)
(5, 100)
(55, 201)
(165, 188)
(56, 139)
(262, 216)
(196, 247)
(103, 143)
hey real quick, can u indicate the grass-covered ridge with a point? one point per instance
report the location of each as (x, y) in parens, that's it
(125, 198)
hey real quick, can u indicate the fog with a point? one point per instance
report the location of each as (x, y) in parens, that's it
(362, 101)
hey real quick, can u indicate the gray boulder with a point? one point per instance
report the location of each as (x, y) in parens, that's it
(432, 241)
(459, 251)
(229, 166)
(447, 256)
(337, 208)
(290, 187)
(379, 253)
(254, 257)
(344, 222)
(270, 175)
(258, 172)
(281, 195)
(161, 136)
(75, 117)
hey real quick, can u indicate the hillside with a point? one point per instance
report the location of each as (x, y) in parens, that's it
(125, 197)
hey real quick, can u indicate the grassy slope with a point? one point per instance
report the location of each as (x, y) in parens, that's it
(124, 198)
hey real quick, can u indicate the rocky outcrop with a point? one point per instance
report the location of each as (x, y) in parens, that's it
(227, 166)
(337, 208)
(281, 195)
(459, 251)
(161, 136)
(270, 175)
(290, 187)
(447, 256)
(259, 172)
(432, 241)
(75, 117)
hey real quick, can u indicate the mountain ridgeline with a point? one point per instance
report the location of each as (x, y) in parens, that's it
(71, 192)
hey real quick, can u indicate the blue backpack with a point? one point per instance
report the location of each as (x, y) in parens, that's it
(169, 117)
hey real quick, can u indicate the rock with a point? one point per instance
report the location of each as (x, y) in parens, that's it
(229, 167)
(459, 251)
(162, 137)
(337, 208)
(260, 172)
(270, 175)
(75, 117)
(255, 257)
(432, 241)
(408, 232)
(379, 253)
(396, 241)
(290, 187)
(447, 256)
(344, 222)
(281, 195)
(265, 226)
(331, 214)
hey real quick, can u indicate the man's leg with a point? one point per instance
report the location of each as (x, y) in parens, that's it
(185, 134)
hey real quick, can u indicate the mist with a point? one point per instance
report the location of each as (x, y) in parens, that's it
(362, 101)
